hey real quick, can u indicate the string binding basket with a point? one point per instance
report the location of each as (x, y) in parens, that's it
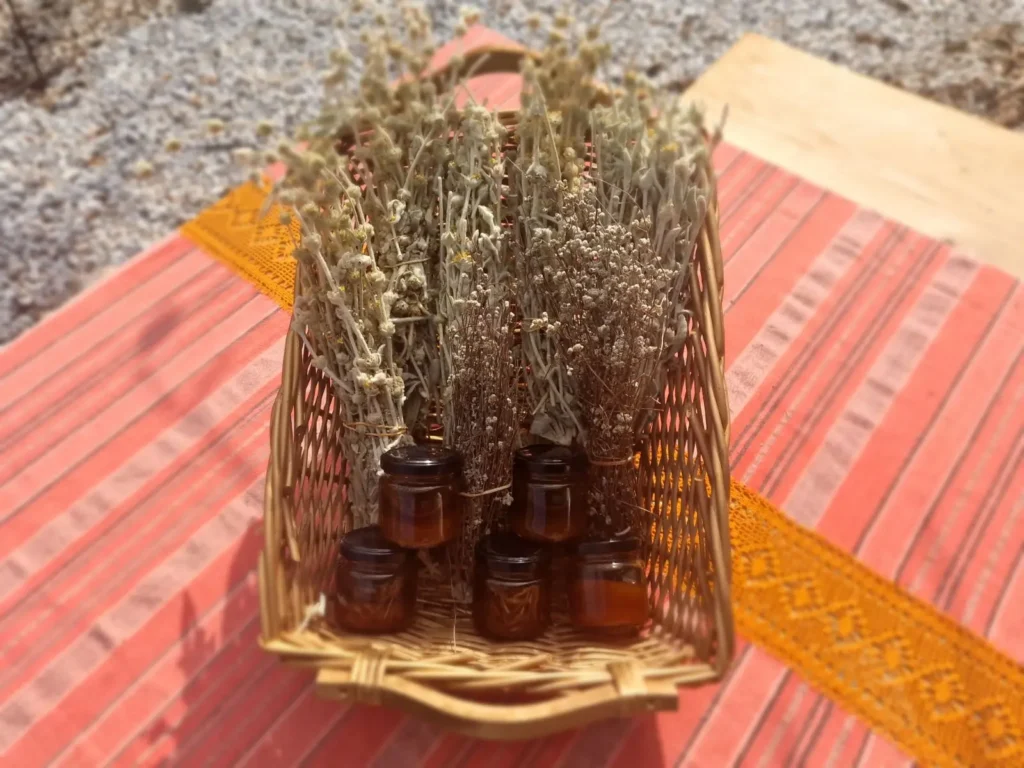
(440, 668)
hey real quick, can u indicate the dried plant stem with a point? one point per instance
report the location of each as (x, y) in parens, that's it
(479, 356)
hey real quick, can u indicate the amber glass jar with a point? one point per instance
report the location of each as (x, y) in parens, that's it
(512, 588)
(548, 493)
(419, 495)
(375, 584)
(607, 586)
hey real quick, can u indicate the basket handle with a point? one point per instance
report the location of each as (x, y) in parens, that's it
(502, 55)
(488, 57)
(484, 59)
(628, 694)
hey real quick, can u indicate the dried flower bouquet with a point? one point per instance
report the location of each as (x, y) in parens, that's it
(609, 206)
(431, 232)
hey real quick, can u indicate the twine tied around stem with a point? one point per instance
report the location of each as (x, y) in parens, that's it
(383, 430)
(488, 492)
(602, 462)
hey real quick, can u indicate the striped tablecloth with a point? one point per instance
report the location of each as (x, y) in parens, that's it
(876, 381)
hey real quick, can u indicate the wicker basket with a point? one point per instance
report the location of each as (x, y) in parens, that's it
(440, 668)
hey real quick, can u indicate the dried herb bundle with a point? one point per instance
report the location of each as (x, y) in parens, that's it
(429, 232)
(611, 295)
(370, 241)
(608, 207)
(479, 356)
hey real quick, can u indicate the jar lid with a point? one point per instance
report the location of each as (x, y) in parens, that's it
(368, 545)
(509, 553)
(419, 460)
(606, 545)
(545, 459)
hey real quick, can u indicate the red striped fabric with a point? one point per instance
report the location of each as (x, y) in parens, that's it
(876, 381)
(877, 387)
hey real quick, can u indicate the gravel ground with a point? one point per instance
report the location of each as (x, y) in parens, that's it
(87, 181)
(39, 37)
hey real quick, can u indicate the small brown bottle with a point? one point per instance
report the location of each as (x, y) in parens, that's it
(419, 495)
(511, 588)
(548, 493)
(375, 584)
(607, 586)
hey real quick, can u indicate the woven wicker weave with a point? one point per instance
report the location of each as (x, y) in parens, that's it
(440, 668)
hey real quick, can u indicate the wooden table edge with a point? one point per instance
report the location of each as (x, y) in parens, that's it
(947, 174)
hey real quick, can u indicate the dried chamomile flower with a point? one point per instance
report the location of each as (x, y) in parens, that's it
(215, 126)
(172, 145)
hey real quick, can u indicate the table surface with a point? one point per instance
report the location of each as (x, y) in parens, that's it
(942, 172)
(860, 356)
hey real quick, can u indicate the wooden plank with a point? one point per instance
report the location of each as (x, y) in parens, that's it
(940, 171)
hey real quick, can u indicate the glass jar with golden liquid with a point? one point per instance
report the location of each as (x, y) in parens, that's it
(548, 493)
(419, 495)
(607, 586)
(375, 583)
(511, 588)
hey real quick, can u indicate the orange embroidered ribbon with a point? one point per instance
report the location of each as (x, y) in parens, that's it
(940, 692)
(247, 237)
